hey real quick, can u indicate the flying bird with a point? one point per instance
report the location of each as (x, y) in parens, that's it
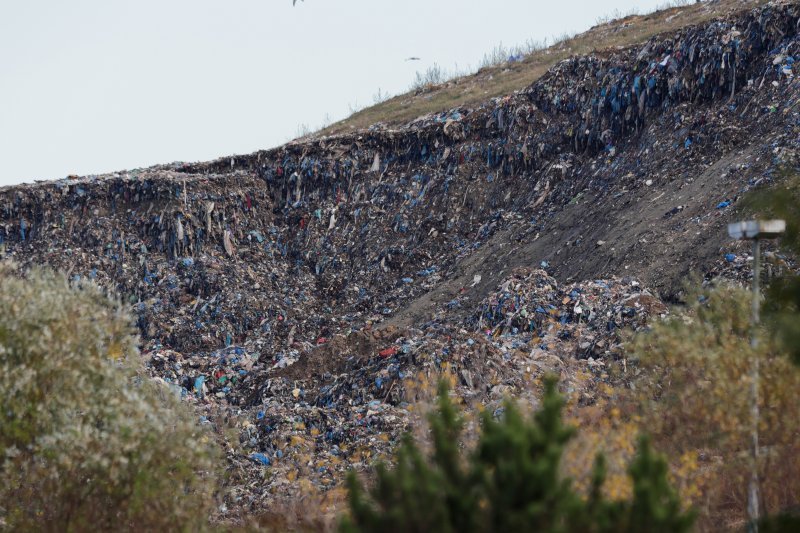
(412, 59)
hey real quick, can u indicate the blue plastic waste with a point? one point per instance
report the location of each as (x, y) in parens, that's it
(198, 384)
(260, 458)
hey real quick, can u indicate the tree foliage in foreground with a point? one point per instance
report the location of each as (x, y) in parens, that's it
(510, 482)
(692, 387)
(782, 316)
(85, 441)
(782, 309)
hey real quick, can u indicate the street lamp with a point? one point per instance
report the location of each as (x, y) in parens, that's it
(755, 230)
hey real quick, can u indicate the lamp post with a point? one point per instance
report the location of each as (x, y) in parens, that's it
(755, 230)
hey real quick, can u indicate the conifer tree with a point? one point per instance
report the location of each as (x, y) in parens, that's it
(655, 506)
(511, 482)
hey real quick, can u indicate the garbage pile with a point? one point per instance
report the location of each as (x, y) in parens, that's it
(531, 305)
(264, 286)
(345, 402)
(606, 98)
(528, 313)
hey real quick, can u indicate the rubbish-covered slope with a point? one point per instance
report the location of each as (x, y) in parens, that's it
(299, 289)
(519, 72)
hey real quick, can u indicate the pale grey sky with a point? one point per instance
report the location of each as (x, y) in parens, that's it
(91, 86)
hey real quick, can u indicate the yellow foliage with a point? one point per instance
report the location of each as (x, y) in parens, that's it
(115, 351)
(693, 395)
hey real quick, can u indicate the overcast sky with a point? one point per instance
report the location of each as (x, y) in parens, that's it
(91, 86)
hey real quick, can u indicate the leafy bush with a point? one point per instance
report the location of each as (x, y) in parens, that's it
(511, 482)
(85, 440)
(693, 391)
(782, 310)
(782, 200)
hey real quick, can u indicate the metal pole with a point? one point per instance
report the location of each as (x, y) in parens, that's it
(756, 286)
(753, 488)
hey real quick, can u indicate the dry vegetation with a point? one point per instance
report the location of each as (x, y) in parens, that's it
(431, 94)
(685, 382)
(89, 442)
(86, 415)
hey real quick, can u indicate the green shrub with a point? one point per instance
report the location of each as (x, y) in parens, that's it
(86, 441)
(782, 200)
(693, 374)
(782, 316)
(510, 482)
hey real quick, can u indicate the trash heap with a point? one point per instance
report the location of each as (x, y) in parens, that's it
(345, 402)
(530, 305)
(267, 287)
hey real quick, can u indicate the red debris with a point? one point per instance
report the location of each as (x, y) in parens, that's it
(388, 352)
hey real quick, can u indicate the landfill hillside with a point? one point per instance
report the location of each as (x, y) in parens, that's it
(301, 291)
(518, 68)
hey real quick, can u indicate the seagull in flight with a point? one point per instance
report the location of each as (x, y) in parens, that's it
(412, 58)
